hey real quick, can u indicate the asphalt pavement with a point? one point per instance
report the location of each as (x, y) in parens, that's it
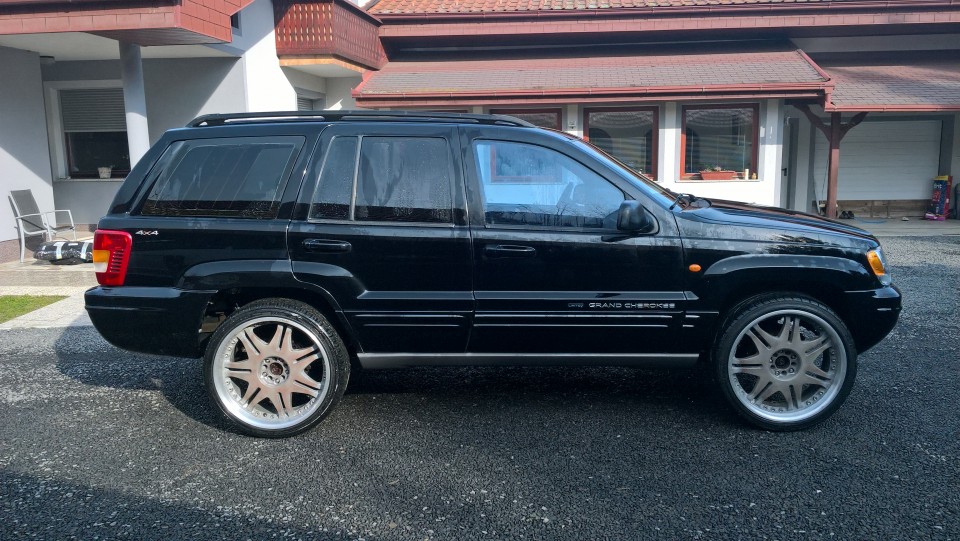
(98, 443)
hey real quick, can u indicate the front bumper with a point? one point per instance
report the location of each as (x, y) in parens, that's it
(157, 320)
(872, 315)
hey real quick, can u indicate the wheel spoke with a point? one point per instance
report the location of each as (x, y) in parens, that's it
(251, 342)
(303, 388)
(807, 379)
(274, 344)
(249, 393)
(238, 366)
(791, 394)
(274, 398)
(762, 340)
(749, 369)
(788, 331)
(813, 348)
(764, 394)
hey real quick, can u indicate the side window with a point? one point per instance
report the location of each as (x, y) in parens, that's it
(334, 191)
(404, 179)
(532, 185)
(236, 177)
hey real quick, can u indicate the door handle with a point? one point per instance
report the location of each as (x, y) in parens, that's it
(509, 250)
(326, 246)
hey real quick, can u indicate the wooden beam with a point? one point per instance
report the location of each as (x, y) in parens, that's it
(835, 133)
(833, 175)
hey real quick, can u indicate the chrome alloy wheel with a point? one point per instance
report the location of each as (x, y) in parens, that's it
(271, 372)
(787, 365)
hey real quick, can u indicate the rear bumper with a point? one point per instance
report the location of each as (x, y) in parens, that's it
(873, 314)
(157, 320)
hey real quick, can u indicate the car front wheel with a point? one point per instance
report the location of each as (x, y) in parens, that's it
(785, 362)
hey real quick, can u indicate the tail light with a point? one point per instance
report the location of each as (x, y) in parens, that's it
(111, 253)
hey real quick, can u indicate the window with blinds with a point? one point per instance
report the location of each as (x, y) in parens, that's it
(309, 103)
(94, 132)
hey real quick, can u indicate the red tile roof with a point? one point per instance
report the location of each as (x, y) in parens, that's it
(919, 84)
(694, 74)
(485, 6)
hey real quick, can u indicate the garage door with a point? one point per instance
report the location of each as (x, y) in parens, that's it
(884, 160)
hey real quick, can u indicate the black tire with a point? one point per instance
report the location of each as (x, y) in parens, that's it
(283, 374)
(779, 381)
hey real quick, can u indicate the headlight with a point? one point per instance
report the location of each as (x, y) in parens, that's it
(878, 264)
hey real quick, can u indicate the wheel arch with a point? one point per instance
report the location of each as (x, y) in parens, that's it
(826, 279)
(226, 301)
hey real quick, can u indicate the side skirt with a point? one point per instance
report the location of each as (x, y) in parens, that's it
(643, 360)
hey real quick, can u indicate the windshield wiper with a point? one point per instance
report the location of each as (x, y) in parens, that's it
(685, 198)
(688, 199)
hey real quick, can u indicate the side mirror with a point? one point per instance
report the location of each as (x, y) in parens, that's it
(633, 218)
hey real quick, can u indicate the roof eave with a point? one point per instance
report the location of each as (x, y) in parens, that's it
(668, 11)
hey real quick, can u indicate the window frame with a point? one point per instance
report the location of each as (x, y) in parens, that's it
(754, 158)
(655, 145)
(351, 217)
(481, 192)
(516, 111)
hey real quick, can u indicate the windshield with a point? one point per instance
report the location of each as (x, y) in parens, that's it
(638, 179)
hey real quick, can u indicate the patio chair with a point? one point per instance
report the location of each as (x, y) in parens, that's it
(31, 222)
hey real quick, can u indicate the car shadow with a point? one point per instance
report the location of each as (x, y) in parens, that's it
(690, 392)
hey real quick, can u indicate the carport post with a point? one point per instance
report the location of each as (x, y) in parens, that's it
(833, 176)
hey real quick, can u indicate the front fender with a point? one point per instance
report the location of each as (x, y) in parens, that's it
(787, 270)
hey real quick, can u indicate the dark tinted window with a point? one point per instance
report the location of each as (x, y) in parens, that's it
(404, 179)
(335, 188)
(531, 185)
(239, 177)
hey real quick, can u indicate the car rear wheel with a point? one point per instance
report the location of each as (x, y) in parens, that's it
(785, 363)
(276, 367)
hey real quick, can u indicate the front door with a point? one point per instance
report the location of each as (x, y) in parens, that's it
(552, 274)
(381, 226)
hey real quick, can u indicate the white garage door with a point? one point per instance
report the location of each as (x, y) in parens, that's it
(884, 160)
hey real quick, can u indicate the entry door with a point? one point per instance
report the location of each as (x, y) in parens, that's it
(552, 273)
(381, 226)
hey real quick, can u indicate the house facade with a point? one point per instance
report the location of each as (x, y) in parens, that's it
(821, 105)
(88, 86)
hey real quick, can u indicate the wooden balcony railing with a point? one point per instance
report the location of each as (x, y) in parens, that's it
(328, 27)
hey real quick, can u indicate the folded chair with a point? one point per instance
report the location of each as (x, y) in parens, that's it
(31, 222)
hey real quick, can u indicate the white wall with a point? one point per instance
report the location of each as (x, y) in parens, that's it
(265, 85)
(24, 161)
(177, 89)
(338, 92)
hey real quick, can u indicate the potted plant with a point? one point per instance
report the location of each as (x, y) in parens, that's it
(717, 173)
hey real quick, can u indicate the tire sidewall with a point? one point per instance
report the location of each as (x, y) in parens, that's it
(304, 315)
(748, 311)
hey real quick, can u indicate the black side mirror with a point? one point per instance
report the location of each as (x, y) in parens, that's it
(633, 218)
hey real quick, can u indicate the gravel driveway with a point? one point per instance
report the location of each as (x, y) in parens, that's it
(96, 443)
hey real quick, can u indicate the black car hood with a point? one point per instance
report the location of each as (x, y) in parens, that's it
(733, 213)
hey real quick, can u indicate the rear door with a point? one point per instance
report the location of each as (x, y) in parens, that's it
(552, 273)
(381, 226)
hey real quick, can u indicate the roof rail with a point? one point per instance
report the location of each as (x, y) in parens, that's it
(368, 115)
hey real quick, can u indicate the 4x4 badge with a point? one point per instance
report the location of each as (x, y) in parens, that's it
(151, 232)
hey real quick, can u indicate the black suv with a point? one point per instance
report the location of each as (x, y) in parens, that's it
(290, 248)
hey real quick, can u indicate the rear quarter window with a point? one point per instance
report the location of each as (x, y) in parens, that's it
(231, 177)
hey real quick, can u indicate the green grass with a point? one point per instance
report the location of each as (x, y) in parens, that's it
(12, 306)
